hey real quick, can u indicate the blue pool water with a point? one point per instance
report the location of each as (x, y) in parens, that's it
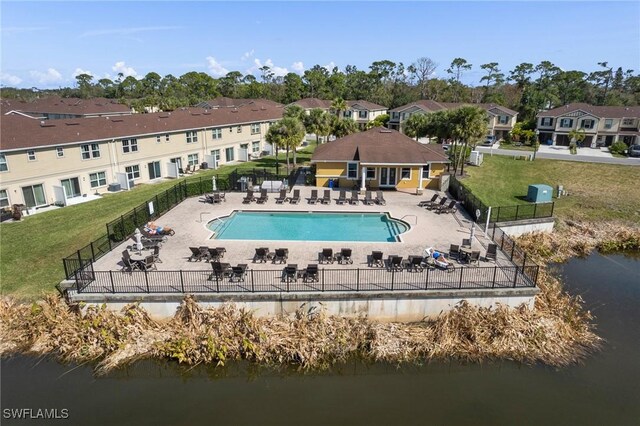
(307, 226)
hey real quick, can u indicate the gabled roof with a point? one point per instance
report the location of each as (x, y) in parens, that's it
(428, 105)
(365, 105)
(596, 111)
(224, 102)
(18, 132)
(58, 105)
(310, 103)
(379, 146)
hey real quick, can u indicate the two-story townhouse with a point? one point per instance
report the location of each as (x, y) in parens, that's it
(55, 107)
(45, 162)
(602, 125)
(500, 120)
(363, 112)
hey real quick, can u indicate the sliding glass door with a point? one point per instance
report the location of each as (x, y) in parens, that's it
(71, 187)
(154, 170)
(34, 196)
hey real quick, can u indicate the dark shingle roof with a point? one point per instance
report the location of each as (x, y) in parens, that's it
(366, 104)
(598, 111)
(58, 105)
(431, 106)
(310, 103)
(379, 146)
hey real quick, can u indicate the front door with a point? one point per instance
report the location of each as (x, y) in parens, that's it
(71, 187)
(34, 196)
(154, 170)
(387, 176)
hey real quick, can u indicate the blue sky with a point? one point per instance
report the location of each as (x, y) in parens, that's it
(44, 44)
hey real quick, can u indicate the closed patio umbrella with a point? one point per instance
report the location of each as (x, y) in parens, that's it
(138, 236)
(473, 232)
(214, 184)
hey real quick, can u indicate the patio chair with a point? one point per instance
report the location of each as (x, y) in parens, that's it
(152, 237)
(474, 257)
(344, 256)
(368, 200)
(281, 255)
(148, 264)
(435, 206)
(380, 199)
(414, 263)
(249, 197)
(326, 256)
(196, 254)
(314, 196)
(296, 197)
(208, 198)
(342, 198)
(264, 196)
(376, 259)
(450, 208)
(219, 271)
(354, 198)
(466, 242)
(427, 202)
(395, 263)
(129, 265)
(311, 273)
(261, 255)
(492, 253)
(156, 254)
(238, 273)
(215, 254)
(221, 251)
(217, 198)
(290, 273)
(282, 197)
(454, 251)
(204, 253)
(326, 199)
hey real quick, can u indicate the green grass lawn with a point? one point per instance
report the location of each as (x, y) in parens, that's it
(31, 251)
(597, 192)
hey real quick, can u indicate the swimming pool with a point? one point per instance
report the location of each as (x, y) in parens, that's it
(308, 226)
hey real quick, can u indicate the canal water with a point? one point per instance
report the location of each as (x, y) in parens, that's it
(605, 390)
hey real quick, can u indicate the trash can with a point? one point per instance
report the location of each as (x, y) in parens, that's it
(330, 183)
(204, 165)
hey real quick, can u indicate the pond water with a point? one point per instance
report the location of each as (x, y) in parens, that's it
(605, 390)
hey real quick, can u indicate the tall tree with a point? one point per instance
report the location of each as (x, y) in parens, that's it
(289, 132)
(338, 105)
(421, 71)
(318, 122)
(494, 78)
(342, 127)
(457, 67)
(416, 125)
(85, 88)
(469, 126)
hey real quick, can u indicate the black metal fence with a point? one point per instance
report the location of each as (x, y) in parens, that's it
(514, 252)
(328, 279)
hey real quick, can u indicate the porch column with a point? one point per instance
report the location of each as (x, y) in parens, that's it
(363, 185)
(554, 138)
(420, 169)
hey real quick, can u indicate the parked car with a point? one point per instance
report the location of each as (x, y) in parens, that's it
(490, 140)
(634, 151)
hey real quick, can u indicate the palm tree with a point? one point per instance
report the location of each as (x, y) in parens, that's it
(338, 105)
(274, 137)
(318, 122)
(469, 125)
(288, 133)
(415, 126)
(343, 127)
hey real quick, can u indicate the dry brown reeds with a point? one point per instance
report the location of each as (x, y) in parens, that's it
(557, 332)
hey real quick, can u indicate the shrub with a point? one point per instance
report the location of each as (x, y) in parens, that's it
(618, 148)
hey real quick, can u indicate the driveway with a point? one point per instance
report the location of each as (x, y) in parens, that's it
(589, 155)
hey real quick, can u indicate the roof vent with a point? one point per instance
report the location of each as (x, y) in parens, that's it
(385, 131)
(117, 120)
(234, 110)
(74, 123)
(164, 116)
(195, 113)
(46, 124)
(206, 113)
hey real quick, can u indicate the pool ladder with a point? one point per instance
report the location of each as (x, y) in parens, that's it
(411, 215)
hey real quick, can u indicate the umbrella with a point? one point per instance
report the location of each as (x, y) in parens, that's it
(213, 184)
(138, 236)
(473, 231)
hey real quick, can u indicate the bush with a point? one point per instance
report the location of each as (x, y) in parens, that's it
(618, 148)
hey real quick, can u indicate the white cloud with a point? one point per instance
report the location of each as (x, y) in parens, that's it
(330, 66)
(298, 67)
(215, 68)
(120, 67)
(79, 71)
(277, 71)
(247, 55)
(51, 76)
(9, 79)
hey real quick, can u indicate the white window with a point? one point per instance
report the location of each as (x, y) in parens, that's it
(255, 146)
(239, 129)
(405, 173)
(216, 133)
(503, 119)
(4, 198)
(347, 113)
(31, 155)
(587, 124)
(158, 139)
(426, 171)
(255, 128)
(371, 173)
(97, 179)
(166, 137)
(60, 152)
(192, 137)
(546, 121)
(627, 122)
(608, 123)
(129, 145)
(363, 114)
(352, 170)
(566, 122)
(90, 151)
(3, 163)
(228, 154)
(216, 154)
(133, 172)
(192, 159)
(395, 115)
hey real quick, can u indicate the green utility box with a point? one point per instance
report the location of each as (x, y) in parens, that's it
(540, 193)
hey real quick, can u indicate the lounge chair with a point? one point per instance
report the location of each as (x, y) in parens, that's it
(282, 197)
(344, 256)
(152, 237)
(208, 198)
(380, 199)
(238, 273)
(326, 256)
(376, 259)
(354, 198)
(156, 254)
(368, 200)
(148, 263)
(296, 197)
(290, 273)
(249, 197)
(492, 253)
(326, 199)
(414, 263)
(264, 196)
(434, 206)
(314, 196)
(215, 254)
(205, 254)
(454, 251)
(281, 255)
(262, 255)
(219, 271)
(342, 198)
(428, 202)
(395, 263)
(474, 257)
(129, 265)
(310, 274)
(450, 208)
(196, 254)
(217, 198)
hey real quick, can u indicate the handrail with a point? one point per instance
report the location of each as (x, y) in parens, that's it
(410, 215)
